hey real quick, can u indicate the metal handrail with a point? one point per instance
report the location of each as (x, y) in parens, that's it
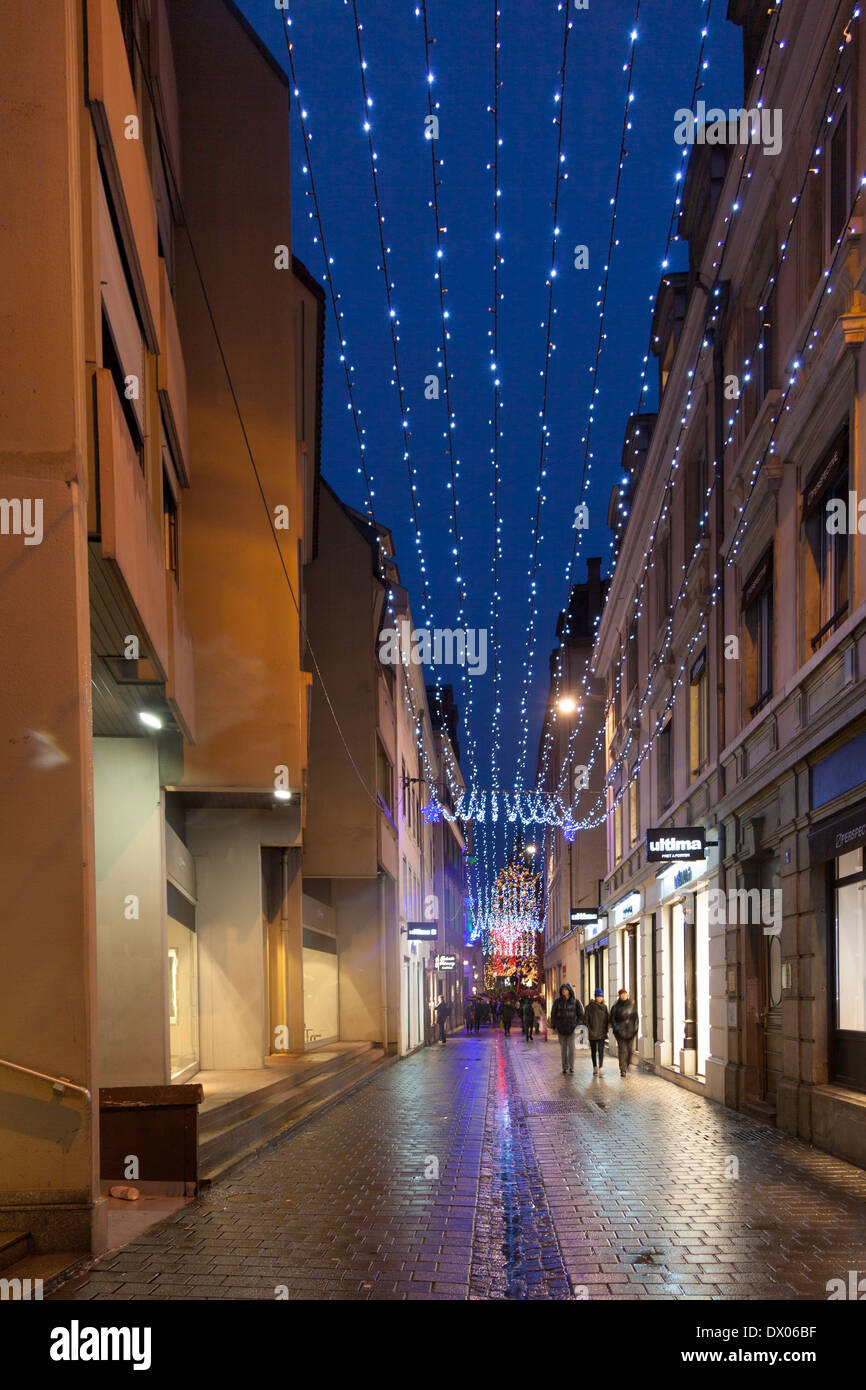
(59, 1082)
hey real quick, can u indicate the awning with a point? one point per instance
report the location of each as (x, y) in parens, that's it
(837, 836)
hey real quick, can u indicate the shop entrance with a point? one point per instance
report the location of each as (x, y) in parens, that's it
(763, 953)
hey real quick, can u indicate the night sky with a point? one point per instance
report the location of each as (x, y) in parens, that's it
(328, 75)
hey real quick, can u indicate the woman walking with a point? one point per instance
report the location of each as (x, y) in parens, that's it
(597, 1025)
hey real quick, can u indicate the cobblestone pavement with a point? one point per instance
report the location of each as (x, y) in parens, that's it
(548, 1186)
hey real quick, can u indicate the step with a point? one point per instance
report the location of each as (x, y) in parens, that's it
(214, 1117)
(267, 1115)
(14, 1245)
(211, 1169)
(52, 1269)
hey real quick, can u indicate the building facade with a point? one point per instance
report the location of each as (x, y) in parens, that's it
(156, 766)
(732, 640)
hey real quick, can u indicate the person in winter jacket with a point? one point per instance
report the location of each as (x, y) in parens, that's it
(538, 1011)
(443, 1013)
(597, 1024)
(566, 1014)
(468, 1007)
(507, 1016)
(527, 1017)
(624, 1022)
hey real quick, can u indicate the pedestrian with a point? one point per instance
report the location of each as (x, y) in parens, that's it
(566, 1014)
(494, 1012)
(538, 1011)
(507, 1016)
(467, 1013)
(476, 1013)
(443, 1013)
(527, 1018)
(624, 1022)
(597, 1024)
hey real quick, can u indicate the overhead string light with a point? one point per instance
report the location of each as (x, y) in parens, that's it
(334, 297)
(628, 67)
(549, 348)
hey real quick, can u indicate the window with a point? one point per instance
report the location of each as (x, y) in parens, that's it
(384, 777)
(664, 754)
(111, 360)
(169, 512)
(633, 806)
(631, 653)
(757, 606)
(839, 200)
(695, 504)
(764, 368)
(617, 831)
(825, 519)
(663, 578)
(698, 715)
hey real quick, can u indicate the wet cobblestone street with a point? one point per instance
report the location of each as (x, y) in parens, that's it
(548, 1186)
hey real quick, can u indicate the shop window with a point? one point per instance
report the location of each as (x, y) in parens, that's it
(699, 730)
(848, 971)
(664, 761)
(757, 609)
(826, 552)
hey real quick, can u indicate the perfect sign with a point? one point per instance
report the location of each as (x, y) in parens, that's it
(665, 846)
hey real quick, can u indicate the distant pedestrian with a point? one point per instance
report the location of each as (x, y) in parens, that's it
(507, 1016)
(467, 1013)
(476, 1014)
(624, 1022)
(443, 1013)
(597, 1025)
(494, 1013)
(527, 1017)
(566, 1014)
(538, 1011)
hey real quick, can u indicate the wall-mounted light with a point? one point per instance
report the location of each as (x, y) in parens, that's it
(151, 720)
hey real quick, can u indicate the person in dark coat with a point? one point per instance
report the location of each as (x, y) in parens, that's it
(467, 1013)
(477, 1010)
(507, 1016)
(527, 1018)
(566, 1014)
(443, 1013)
(597, 1025)
(624, 1022)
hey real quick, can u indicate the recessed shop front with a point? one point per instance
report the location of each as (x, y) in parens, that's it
(839, 846)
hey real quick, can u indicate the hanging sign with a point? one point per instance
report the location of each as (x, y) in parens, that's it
(664, 846)
(446, 962)
(422, 931)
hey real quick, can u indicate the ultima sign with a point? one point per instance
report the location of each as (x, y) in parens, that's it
(664, 846)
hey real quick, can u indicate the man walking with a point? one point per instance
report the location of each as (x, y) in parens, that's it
(507, 1016)
(443, 1012)
(566, 1014)
(467, 1013)
(624, 1022)
(597, 1024)
(527, 1018)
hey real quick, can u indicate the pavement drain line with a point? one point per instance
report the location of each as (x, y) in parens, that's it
(513, 1188)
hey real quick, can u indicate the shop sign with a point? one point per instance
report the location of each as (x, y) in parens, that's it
(664, 846)
(593, 930)
(598, 945)
(422, 931)
(682, 876)
(446, 962)
(584, 916)
(839, 835)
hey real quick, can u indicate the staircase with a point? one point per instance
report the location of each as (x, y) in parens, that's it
(28, 1275)
(233, 1131)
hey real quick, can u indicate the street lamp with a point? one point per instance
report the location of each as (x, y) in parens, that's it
(531, 849)
(567, 705)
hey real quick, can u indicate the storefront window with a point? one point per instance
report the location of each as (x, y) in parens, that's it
(182, 983)
(851, 943)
